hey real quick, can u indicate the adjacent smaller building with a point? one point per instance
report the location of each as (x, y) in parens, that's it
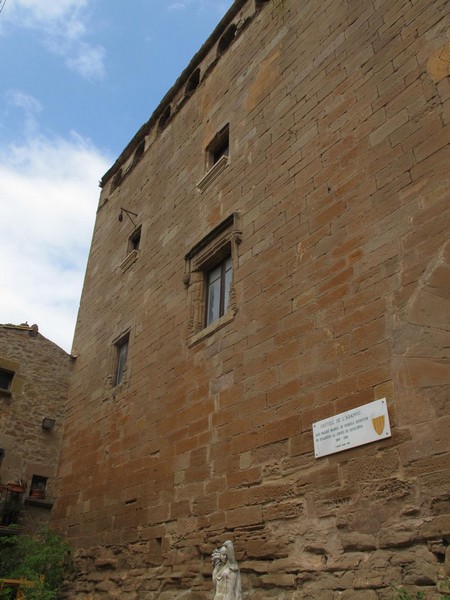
(34, 374)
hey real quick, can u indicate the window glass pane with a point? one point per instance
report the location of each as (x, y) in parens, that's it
(213, 300)
(214, 274)
(122, 351)
(228, 277)
(218, 290)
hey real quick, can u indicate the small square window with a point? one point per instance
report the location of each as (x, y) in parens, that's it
(38, 487)
(217, 157)
(121, 360)
(6, 378)
(134, 240)
(134, 243)
(218, 147)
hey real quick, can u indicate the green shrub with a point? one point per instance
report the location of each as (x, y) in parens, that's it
(31, 557)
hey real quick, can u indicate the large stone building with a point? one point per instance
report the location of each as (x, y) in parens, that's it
(34, 380)
(271, 250)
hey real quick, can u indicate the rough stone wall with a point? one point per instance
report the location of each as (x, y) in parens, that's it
(39, 389)
(338, 114)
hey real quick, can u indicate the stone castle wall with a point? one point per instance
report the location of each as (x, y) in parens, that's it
(335, 204)
(39, 389)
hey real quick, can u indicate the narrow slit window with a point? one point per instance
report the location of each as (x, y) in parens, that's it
(121, 360)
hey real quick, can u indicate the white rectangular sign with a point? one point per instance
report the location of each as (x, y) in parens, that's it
(362, 425)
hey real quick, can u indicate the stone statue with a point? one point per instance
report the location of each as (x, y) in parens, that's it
(226, 576)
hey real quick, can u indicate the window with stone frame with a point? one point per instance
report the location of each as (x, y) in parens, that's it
(210, 268)
(10, 381)
(6, 379)
(134, 241)
(121, 347)
(38, 487)
(218, 147)
(217, 157)
(133, 246)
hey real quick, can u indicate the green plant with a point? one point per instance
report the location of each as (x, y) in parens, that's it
(401, 594)
(45, 555)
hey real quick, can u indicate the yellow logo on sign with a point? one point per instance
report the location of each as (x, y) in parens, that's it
(378, 424)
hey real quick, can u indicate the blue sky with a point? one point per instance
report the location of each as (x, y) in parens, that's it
(77, 80)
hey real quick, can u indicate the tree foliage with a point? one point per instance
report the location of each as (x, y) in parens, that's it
(43, 558)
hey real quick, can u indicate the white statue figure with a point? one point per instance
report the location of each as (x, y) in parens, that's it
(226, 576)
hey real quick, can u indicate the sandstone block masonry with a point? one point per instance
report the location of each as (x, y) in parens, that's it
(34, 385)
(304, 149)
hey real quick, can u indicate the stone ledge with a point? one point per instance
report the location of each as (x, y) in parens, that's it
(39, 502)
(214, 172)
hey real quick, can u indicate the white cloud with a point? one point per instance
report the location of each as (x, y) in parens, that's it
(177, 6)
(199, 5)
(49, 195)
(46, 12)
(63, 27)
(89, 62)
(29, 105)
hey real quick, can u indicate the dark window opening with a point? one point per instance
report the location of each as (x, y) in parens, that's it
(117, 179)
(134, 240)
(193, 82)
(222, 150)
(220, 146)
(164, 118)
(6, 378)
(12, 504)
(226, 39)
(218, 285)
(121, 360)
(38, 487)
(139, 152)
(260, 3)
